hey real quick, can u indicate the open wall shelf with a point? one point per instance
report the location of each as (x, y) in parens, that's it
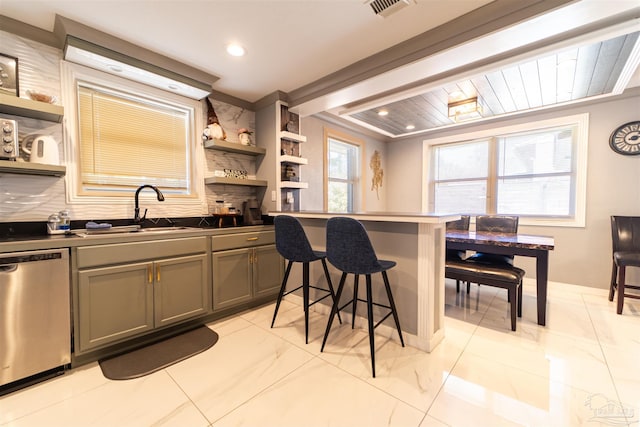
(232, 147)
(9, 166)
(31, 109)
(235, 181)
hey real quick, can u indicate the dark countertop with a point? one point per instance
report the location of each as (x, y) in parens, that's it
(15, 237)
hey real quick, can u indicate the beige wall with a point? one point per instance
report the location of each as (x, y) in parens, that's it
(582, 255)
(312, 199)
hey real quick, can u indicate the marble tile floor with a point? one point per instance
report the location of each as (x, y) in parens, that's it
(579, 370)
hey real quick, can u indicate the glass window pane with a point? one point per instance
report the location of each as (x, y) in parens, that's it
(461, 197)
(338, 164)
(535, 196)
(549, 151)
(460, 161)
(343, 175)
(338, 197)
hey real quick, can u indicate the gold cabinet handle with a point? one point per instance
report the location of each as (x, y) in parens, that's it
(157, 273)
(251, 239)
(149, 274)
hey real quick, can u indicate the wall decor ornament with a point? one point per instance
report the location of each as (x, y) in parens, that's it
(9, 75)
(625, 139)
(214, 129)
(244, 136)
(376, 166)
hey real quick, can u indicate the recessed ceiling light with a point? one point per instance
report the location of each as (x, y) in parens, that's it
(383, 112)
(410, 127)
(235, 49)
(115, 68)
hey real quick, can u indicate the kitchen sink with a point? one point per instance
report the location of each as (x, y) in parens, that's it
(128, 229)
(165, 229)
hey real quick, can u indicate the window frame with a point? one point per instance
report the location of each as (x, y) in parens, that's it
(581, 123)
(71, 74)
(358, 186)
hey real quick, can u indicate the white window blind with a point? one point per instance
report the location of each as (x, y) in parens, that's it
(126, 141)
(536, 171)
(461, 176)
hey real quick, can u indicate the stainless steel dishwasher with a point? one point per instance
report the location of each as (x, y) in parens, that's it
(35, 319)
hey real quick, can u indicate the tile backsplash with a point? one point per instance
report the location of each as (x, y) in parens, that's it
(34, 198)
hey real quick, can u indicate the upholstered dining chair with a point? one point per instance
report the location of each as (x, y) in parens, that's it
(494, 224)
(350, 251)
(461, 224)
(625, 232)
(293, 245)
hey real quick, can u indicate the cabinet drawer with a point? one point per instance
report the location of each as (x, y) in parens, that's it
(243, 240)
(91, 256)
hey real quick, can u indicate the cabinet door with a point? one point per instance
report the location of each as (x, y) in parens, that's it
(268, 269)
(181, 289)
(114, 303)
(231, 278)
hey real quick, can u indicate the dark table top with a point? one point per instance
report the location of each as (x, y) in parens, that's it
(530, 241)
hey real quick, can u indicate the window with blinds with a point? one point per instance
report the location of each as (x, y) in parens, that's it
(127, 140)
(536, 171)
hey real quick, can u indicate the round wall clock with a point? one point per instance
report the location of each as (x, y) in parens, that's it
(626, 139)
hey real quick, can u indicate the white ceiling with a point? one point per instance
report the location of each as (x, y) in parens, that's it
(289, 43)
(293, 43)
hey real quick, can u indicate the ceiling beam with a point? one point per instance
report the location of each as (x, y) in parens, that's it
(480, 22)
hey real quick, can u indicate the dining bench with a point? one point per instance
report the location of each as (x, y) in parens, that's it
(503, 276)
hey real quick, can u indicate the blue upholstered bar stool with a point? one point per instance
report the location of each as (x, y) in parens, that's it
(350, 251)
(293, 245)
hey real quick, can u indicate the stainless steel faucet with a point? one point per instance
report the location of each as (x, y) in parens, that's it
(136, 217)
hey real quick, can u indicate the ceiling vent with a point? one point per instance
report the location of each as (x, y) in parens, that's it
(385, 8)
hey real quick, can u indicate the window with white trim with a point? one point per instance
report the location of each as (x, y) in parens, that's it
(536, 171)
(126, 134)
(343, 170)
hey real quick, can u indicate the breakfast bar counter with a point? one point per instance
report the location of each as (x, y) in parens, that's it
(416, 241)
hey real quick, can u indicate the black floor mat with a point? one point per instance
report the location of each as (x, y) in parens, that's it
(154, 357)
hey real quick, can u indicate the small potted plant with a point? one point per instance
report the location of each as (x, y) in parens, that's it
(244, 136)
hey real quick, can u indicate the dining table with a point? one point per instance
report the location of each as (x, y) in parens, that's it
(528, 245)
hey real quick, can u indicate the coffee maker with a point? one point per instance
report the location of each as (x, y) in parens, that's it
(252, 212)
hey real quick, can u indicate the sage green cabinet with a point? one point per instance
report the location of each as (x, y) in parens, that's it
(126, 299)
(246, 267)
(114, 303)
(268, 269)
(181, 289)
(231, 278)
